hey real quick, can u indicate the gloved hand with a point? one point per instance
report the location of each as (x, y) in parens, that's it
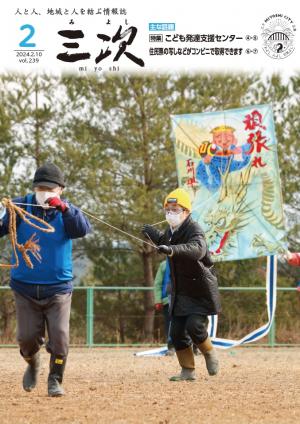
(57, 203)
(158, 307)
(167, 250)
(147, 229)
(293, 259)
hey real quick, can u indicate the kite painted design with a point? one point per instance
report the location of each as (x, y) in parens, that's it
(228, 162)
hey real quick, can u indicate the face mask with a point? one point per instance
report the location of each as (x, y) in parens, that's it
(174, 219)
(42, 196)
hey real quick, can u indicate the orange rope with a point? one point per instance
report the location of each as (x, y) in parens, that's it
(30, 245)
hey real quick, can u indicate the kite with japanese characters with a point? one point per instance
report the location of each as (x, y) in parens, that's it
(228, 162)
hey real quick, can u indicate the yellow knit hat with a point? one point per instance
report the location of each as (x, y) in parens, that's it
(179, 196)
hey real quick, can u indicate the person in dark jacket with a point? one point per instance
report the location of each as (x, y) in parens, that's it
(194, 292)
(43, 294)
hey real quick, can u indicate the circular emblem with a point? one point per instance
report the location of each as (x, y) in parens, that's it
(278, 34)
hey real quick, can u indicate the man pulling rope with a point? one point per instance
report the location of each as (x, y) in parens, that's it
(43, 292)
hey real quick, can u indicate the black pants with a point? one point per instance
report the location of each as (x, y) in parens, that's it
(34, 315)
(188, 329)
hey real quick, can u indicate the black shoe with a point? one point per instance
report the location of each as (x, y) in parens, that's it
(55, 378)
(32, 371)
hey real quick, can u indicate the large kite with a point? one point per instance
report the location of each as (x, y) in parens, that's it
(228, 163)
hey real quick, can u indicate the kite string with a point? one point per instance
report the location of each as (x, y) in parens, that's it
(118, 229)
(31, 204)
(97, 219)
(110, 225)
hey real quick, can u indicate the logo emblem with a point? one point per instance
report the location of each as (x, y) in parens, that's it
(278, 34)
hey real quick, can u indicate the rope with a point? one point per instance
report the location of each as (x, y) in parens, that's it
(21, 211)
(32, 204)
(118, 229)
(30, 245)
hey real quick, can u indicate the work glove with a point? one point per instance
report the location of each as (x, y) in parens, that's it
(57, 203)
(167, 250)
(293, 259)
(158, 307)
(147, 229)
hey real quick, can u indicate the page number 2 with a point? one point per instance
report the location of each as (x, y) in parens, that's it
(24, 42)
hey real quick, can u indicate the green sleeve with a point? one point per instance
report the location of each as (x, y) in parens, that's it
(158, 282)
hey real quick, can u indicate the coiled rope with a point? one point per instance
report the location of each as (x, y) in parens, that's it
(30, 245)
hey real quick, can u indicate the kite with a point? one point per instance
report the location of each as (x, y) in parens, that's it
(228, 163)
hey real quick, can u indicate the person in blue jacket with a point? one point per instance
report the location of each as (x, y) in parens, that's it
(162, 291)
(162, 297)
(43, 294)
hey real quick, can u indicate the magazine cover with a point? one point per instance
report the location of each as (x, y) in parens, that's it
(149, 212)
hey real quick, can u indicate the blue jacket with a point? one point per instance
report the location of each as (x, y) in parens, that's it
(162, 283)
(56, 248)
(166, 283)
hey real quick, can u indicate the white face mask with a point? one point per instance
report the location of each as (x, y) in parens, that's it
(42, 196)
(174, 219)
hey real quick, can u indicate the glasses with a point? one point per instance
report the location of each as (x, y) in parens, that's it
(173, 211)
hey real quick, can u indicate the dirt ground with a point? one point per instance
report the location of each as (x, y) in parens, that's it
(112, 386)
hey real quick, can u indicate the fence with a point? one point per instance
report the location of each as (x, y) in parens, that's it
(90, 315)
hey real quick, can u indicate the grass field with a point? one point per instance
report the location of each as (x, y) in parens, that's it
(255, 385)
